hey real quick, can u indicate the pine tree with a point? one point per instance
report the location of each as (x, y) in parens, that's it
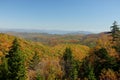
(3, 69)
(16, 66)
(115, 31)
(87, 70)
(102, 53)
(70, 65)
(34, 61)
(91, 74)
(116, 36)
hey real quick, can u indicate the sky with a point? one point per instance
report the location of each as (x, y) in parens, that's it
(67, 15)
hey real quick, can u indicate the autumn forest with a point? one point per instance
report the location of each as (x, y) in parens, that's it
(37, 56)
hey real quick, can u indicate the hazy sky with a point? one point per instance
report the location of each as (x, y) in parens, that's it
(77, 15)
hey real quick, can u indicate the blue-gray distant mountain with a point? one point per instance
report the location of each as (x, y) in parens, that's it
(46, 31)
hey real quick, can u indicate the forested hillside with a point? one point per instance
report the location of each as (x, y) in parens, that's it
(56, 57)
(49, 57)
(55, 39)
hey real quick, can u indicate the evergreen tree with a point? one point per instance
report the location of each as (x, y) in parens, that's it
(16, 66)
(104, 61)
(115, 31)
(87, 70)
(3, 69)
(102, 53)
(34, 61)
(91, 74)
(116, 36)
(70, 65)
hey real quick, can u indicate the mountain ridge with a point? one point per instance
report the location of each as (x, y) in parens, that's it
(59, 32)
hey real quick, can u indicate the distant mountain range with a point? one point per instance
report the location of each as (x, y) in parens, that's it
(46, 31)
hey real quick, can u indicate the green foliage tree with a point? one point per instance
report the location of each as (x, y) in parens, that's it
(104, 61)
(87, 70)
(39, 77)
(115, 31)
(116, 36)
(70, 65)
(16, 63)
(102, 53)
(91, 74)
(34, 61)
(92, 65)
(3, 69)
